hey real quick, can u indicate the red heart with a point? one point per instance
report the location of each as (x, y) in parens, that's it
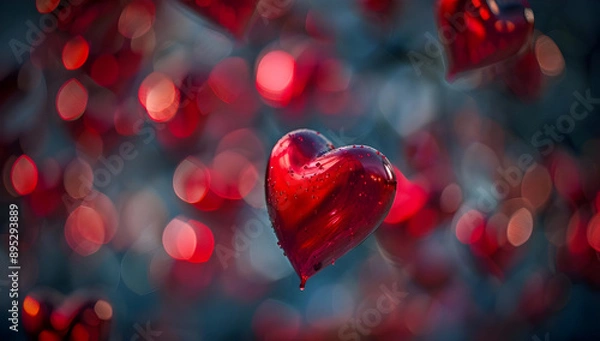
(324, 201)
(479, 33)
(233, 15)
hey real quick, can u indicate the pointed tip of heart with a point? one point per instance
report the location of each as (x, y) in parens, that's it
(303, 280)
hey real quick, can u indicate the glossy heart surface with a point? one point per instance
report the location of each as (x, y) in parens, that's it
(325, 201)
(479, 33)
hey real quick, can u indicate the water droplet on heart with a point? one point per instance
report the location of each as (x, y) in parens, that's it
(318, 164)
(305, 167)
(378, 153)
(327, 176)
(303, 282)
(333, 261)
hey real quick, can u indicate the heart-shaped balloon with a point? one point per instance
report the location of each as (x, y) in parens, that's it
(479, 33)
(324, 201)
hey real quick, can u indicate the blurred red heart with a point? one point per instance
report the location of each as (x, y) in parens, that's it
(479, 33)
(233, 15)
(324, 201)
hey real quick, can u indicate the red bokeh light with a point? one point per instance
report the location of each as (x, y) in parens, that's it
(24, 175)
(275, 75)
(85, 230)
(75, 53)
(105, 70)
(71, 100)
(191, 180)
(136, 19)
(46, 6)
(470, 227)
(593, 232)
(409, 199)
(188, 240)
(229, 79)
(159, 96)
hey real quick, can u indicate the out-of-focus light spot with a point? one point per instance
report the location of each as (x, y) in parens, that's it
(248, 179)
(245, 142)
(520, 227)
(226, 175)
(566, 176)
(252, 187)
(85, 230)
(409, 199)
(46, 6)
(103, 310)
(191, 180)
(577, 233)
(136, 19)
(211, 202)
(71, 100)
(159, 96)
(549, 57)
(105, 70)
(451, 198)
(78, 179)
(80, 333)
(275, 77)
(24, 175)
(59, 320)
(423, 222)
(229, 79)
(75, 53)
(593, 232)
(470, 227)
(48, 335)
(31, 306)
(188, 240)
(536, 186)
